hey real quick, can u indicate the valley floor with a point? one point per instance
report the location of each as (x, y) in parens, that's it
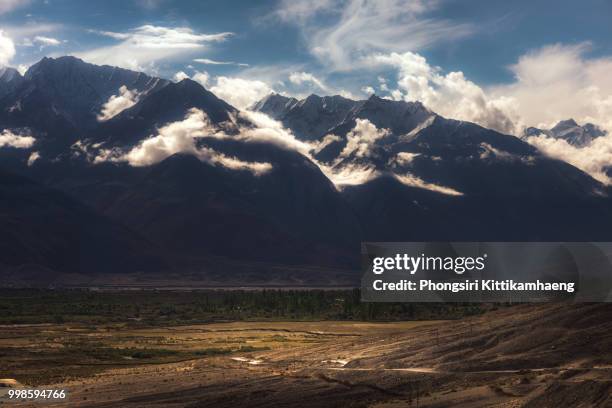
(522, 356)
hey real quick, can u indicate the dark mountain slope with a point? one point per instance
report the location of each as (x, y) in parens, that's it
(44, 227)
(436, 179)
(191, 207)
(10, 79)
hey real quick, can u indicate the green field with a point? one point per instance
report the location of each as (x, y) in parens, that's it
(149, 307)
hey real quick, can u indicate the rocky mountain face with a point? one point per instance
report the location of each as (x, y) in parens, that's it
(424, 177)
(79, 89)
(166, 105)
(10, 79)
(59, 99)
(368, 170)
(310, 118)
(570, 131)
(314, 117)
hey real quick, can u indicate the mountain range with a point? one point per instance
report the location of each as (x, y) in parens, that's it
(178, 179)
(570, 131)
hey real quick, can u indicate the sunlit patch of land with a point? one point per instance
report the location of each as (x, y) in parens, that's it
(37, 354)
(518, 356)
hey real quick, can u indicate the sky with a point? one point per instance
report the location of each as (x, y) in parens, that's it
(502, 64)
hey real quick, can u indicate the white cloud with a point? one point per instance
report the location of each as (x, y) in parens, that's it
(594, 159)
(350, 174)
(201, 77)
(7, 49)
(368, 90)
(361, 139)
(326, 141)
(361, 27)
(269, 130)
(207, 61)
(299, 78)
(23, 68)
(489, 152)
(33, 157)
(181, 137)
(31, 29)
(147, 44)
(413, 181)
(179, 76)
(405, 158)
(19, 141)
(176, 137)
(241, 93)
(47, 41)
(158, 37)
(118, 103)
(558, 82)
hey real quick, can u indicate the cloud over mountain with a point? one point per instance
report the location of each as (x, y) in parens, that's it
(16, 140)
(181, 137)
(558, 82)
(594, 159)
(240, 92)
(118, 103)
(450, 94)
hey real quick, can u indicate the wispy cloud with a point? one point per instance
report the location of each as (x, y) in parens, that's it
(47, 40)
(299, 78)
(147, 44)
(207, 61)
(302, 11)
(149, 4)
(361, 27)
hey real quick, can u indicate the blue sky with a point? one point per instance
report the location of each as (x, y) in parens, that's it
(485, 61)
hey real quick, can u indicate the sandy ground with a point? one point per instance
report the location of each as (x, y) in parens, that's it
(523, 356)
